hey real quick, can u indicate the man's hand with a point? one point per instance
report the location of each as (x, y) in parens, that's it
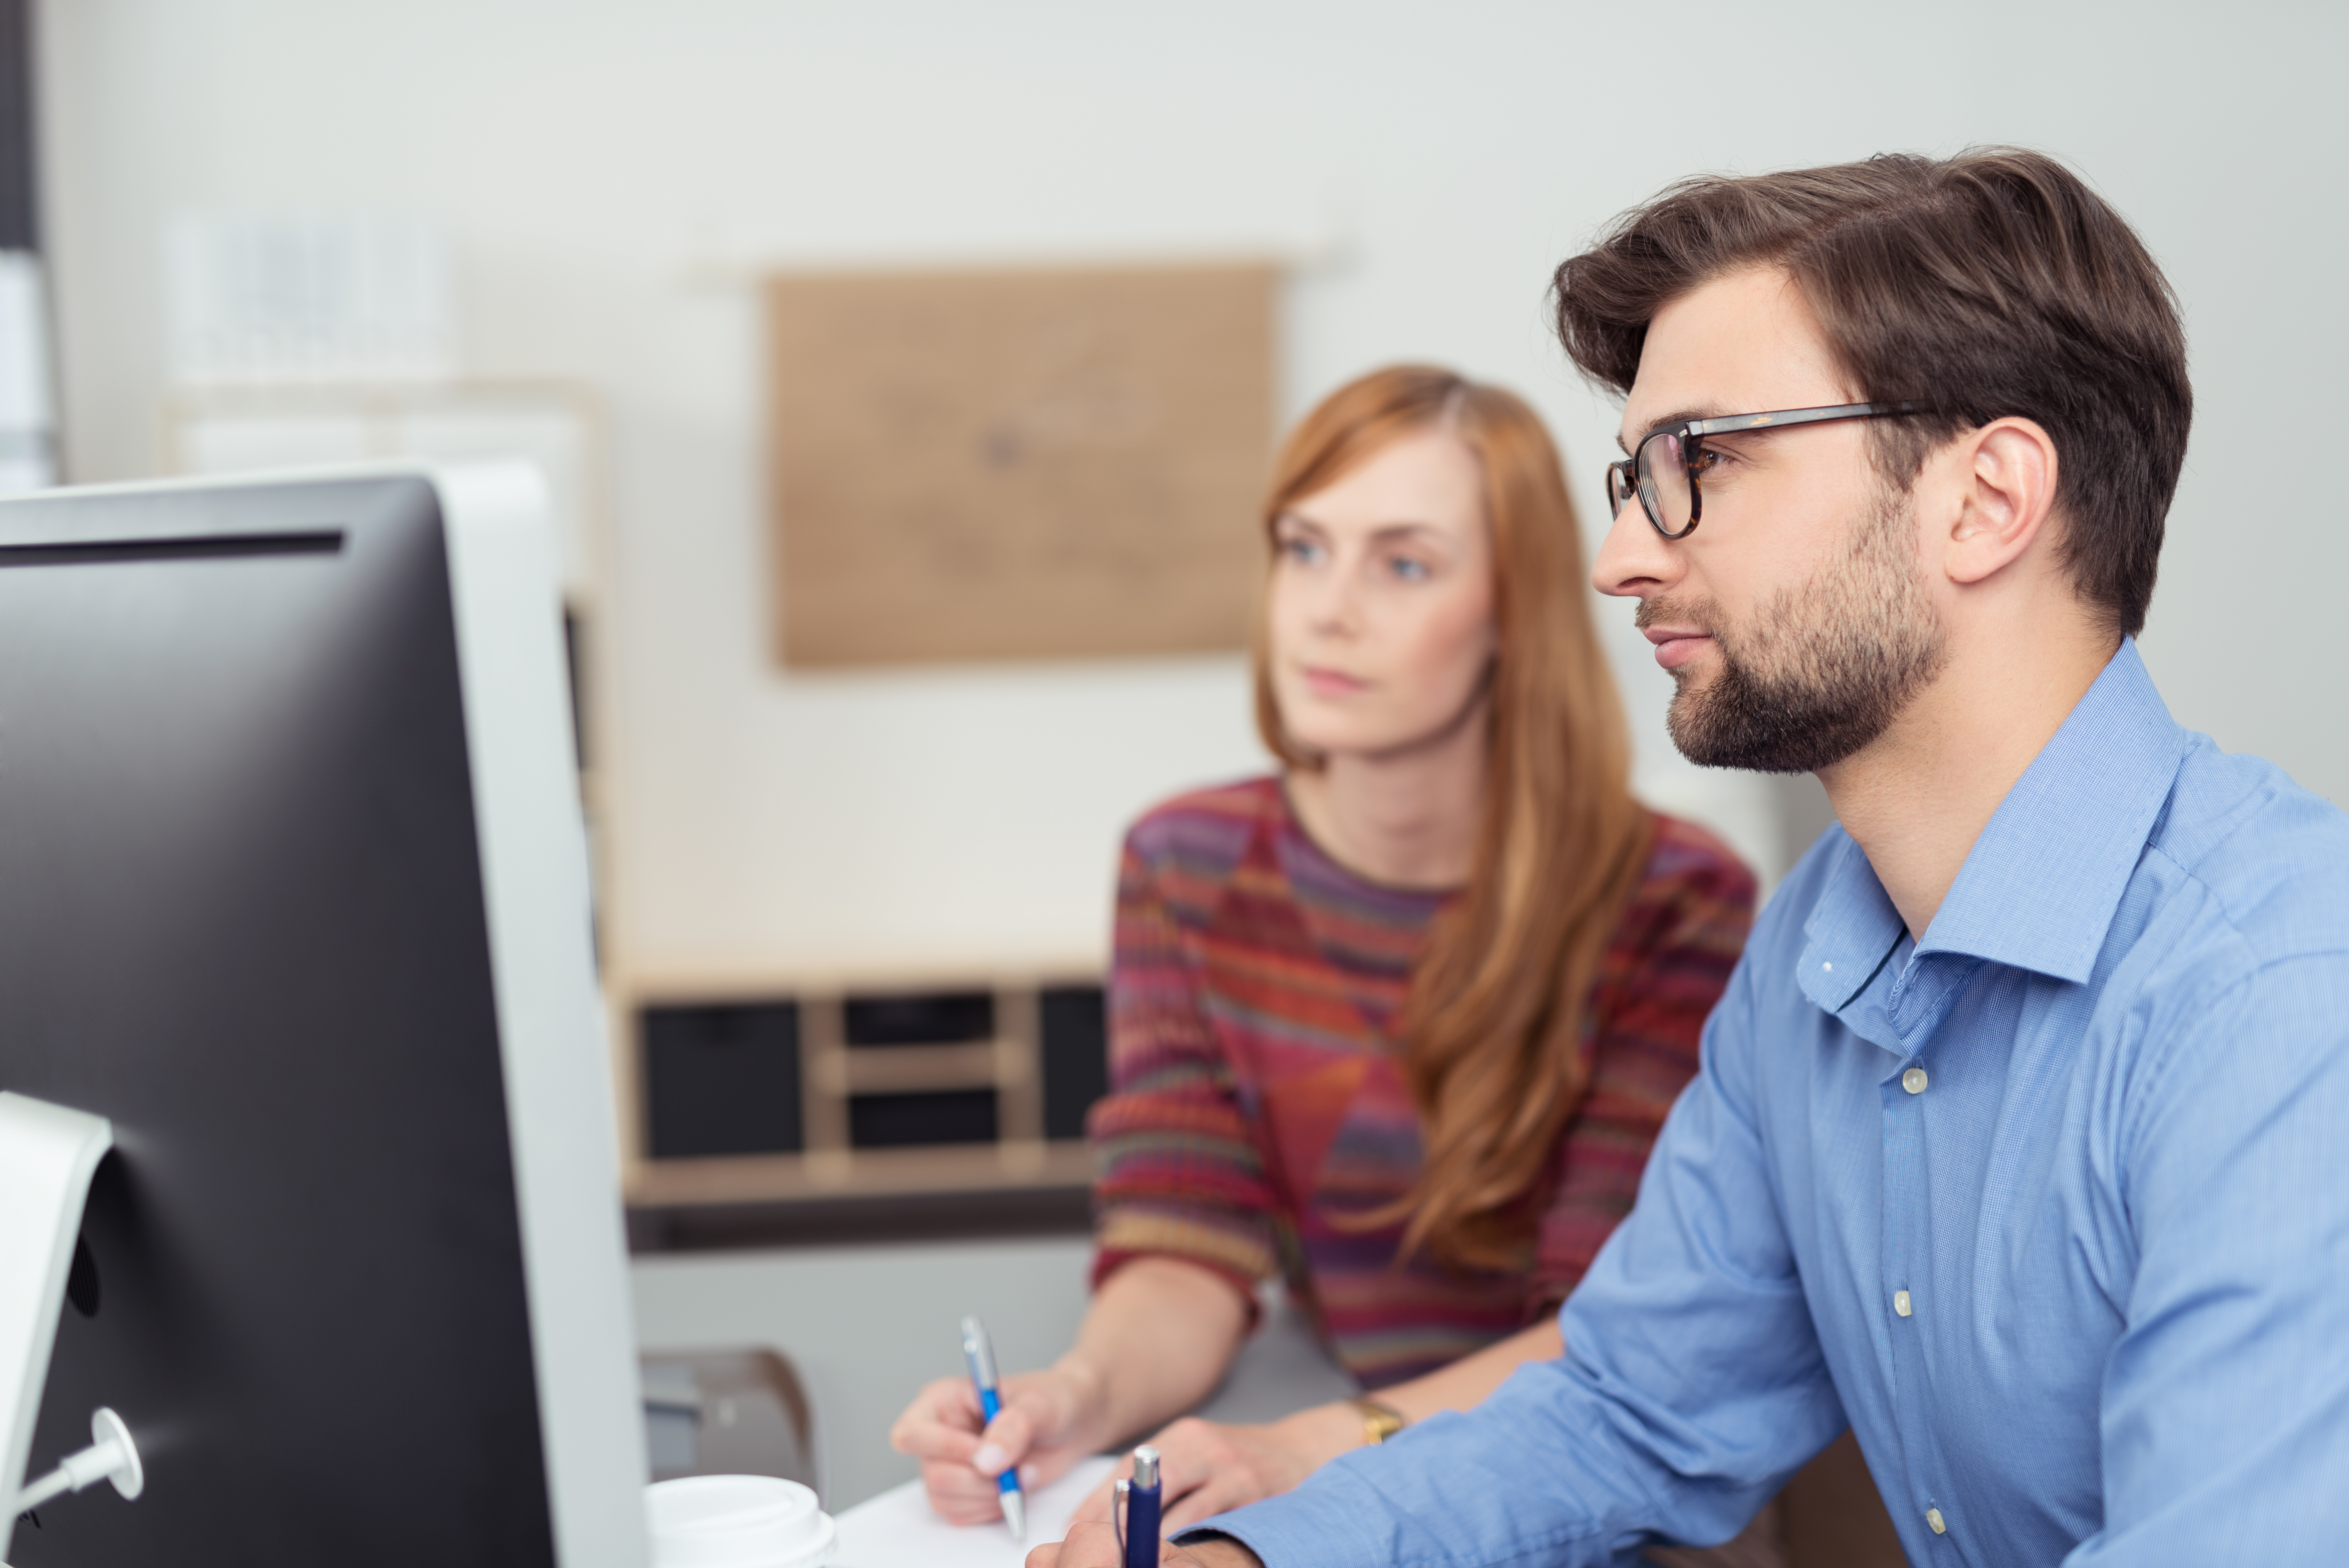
(1095, 1546)
(1207, 1468)
(1047, 1425)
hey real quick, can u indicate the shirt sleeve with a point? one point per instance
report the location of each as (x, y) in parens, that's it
(1177, 1174)
(1693, 1384)
(2225, 1406)
(1680, 936)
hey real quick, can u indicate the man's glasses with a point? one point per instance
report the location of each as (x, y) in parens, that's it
(1664, 469)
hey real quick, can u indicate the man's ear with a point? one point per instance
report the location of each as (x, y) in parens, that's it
(2000, 482)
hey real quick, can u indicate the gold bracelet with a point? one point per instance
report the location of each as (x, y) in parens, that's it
(1379, 1421)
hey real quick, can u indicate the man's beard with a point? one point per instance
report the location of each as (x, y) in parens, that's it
(1824, 669)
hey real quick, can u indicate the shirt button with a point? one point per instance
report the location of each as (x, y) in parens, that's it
(1933, 1518)
(1901, 1302)
(1913, 1080)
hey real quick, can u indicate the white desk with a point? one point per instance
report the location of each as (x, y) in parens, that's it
(898, 1530)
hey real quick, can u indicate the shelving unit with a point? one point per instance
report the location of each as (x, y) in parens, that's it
(827, 1091)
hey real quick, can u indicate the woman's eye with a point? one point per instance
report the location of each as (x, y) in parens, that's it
(1410, 569)
(1303, 551)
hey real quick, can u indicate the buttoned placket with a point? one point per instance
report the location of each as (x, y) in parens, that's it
(1898, 1010)
(1904, 1007)
(1860, 966)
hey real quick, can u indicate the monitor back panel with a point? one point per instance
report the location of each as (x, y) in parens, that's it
(241, 915)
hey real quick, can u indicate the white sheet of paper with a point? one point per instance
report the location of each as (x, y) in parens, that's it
(897, 1529)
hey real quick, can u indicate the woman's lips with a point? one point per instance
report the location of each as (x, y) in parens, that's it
(1331, 683)
(1675, 646)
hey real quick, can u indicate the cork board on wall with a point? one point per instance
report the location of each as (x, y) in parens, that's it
(1017, 464)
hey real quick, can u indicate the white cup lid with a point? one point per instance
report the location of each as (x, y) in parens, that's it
(736, 1521)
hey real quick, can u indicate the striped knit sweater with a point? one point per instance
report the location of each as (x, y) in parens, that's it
(1256, 1090)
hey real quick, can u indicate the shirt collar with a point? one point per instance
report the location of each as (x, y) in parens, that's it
(1852, 929)
(2040, 886)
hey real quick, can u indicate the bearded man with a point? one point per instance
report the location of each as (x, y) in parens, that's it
(2022, 1140)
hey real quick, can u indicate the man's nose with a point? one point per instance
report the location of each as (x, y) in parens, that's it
(1634, 559)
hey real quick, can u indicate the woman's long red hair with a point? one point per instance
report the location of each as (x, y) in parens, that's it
(1494, 1029)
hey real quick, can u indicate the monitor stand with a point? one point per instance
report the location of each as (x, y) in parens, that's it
(47, 1156)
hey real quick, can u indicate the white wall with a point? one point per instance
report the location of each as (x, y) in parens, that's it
(594, 155)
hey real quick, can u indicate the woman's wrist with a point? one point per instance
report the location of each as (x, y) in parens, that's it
(1084, 1388)
(1321, 1432)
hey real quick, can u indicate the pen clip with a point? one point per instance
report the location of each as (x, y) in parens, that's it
(1118, 1503)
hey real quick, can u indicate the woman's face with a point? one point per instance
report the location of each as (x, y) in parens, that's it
(1381, 605)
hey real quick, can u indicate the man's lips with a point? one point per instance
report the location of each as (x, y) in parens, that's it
(1676, 645)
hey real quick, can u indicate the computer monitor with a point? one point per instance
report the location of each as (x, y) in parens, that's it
(293, 893)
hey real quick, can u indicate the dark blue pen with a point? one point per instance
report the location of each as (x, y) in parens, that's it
(980, 1354)
(1137, 1523)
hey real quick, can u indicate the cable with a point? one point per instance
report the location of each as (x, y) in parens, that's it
(111, 1456)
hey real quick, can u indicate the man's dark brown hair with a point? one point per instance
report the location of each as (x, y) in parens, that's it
(1988, 284)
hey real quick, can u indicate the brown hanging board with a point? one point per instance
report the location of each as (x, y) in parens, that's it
(1017, 464)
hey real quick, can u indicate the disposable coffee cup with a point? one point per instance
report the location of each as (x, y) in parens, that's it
(737, 1521)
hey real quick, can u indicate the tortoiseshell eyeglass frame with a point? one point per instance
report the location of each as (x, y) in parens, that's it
(1623, 475)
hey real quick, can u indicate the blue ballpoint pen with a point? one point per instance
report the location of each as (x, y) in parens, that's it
(980, 1354)
(1137, 1526)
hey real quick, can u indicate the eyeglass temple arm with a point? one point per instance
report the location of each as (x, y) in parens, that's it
(1781, 417)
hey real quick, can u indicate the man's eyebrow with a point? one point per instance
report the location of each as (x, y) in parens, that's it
(1665, 421)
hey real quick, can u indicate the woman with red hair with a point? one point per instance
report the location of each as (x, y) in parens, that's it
(1400, 1023)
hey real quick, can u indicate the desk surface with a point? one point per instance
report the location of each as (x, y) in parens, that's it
(898, 1530)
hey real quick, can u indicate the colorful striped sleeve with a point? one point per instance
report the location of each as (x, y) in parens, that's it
(1177, 1172)
(1680, 938)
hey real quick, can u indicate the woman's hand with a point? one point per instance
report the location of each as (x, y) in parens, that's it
(1158, 1336)
(1206, 1467)
(1050, 1420)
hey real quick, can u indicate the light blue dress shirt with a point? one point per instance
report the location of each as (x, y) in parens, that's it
(2052, 1208)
